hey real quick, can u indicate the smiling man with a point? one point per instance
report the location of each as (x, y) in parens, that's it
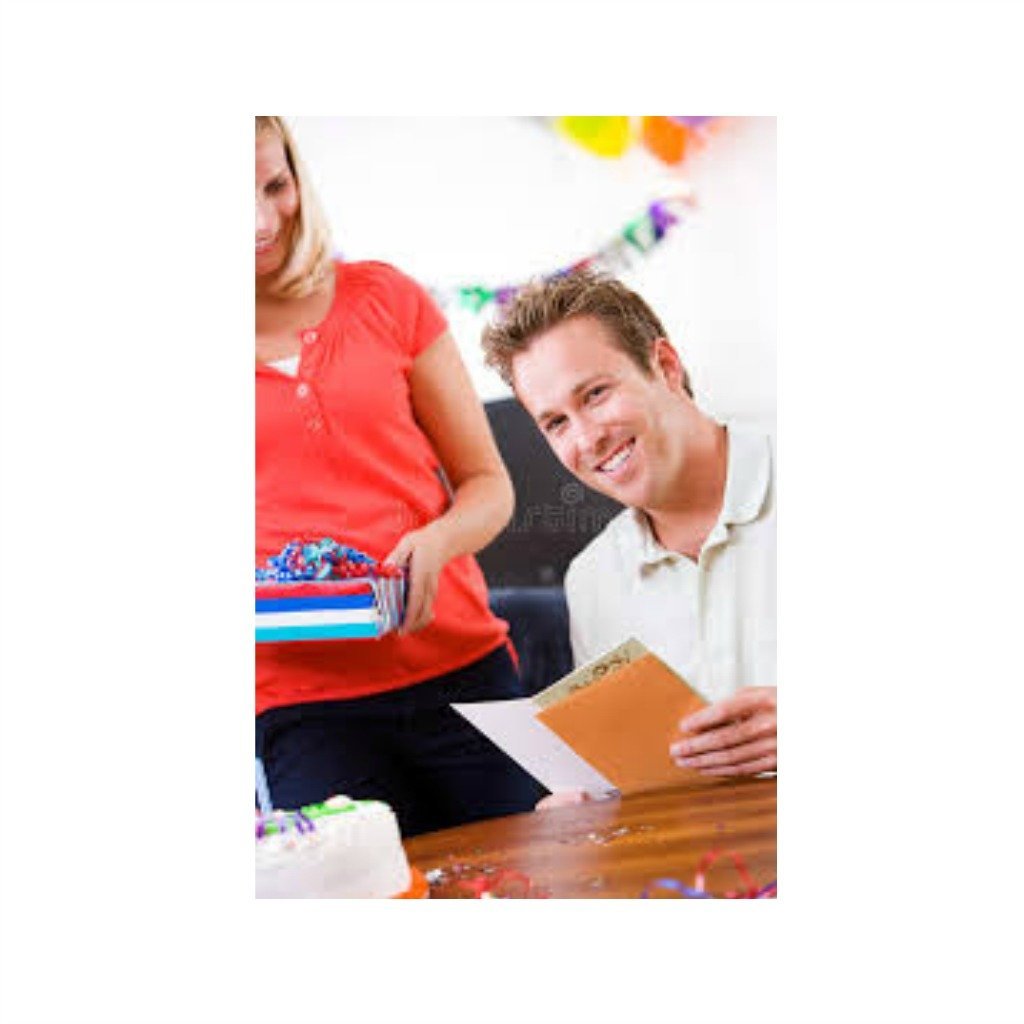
(689, 567)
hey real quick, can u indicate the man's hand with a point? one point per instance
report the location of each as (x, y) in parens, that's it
(735, 736)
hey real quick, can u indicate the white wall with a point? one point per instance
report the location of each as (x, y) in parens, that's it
(495, 200)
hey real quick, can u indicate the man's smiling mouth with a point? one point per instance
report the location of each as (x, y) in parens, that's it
(614, 461)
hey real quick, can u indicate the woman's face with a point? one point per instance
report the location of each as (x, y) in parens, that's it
(277, 204)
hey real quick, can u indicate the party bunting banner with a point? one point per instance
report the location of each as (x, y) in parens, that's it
(620, 254)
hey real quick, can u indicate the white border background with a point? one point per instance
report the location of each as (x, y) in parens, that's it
(125, 315)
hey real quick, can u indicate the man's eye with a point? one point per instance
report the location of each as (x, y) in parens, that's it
(554, 425)
(596, 392)
(275, 186)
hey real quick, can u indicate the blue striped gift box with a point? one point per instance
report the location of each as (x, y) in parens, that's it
(329, 609)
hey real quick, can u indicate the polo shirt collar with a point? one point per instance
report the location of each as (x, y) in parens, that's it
(747, 479)
(747, 476)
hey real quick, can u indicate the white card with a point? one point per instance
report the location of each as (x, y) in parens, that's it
(511, 725)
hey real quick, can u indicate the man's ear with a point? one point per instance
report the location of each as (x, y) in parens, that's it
(667, 365)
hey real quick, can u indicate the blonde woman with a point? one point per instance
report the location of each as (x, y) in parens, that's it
(368, 431)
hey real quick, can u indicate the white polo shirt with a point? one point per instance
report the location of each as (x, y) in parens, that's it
(712, 620)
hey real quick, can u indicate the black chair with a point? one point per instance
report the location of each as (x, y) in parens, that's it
(555, 517)
(539, 627)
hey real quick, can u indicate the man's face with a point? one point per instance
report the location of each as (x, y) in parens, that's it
(606, 420)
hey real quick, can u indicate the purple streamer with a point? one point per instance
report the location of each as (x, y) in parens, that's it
(662, 218)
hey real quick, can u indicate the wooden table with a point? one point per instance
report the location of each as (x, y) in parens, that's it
(612, 849)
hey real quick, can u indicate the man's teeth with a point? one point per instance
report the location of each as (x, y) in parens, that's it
(616, 460)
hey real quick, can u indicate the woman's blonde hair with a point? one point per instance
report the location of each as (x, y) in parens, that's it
(308, 262)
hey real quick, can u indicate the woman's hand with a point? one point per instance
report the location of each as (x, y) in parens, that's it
(562, 798)
(425, 552)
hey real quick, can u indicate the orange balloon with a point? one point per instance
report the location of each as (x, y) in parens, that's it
(665, 138)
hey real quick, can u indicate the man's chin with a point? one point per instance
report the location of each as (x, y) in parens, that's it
(624, 495)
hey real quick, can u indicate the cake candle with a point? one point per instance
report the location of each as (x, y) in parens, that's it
(263, 790)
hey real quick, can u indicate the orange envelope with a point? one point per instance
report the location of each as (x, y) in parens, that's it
(623, 723)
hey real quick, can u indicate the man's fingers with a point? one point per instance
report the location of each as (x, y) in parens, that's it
(731, 735)
(743, 703)
(730, 756)
(706, 718)
(762, 764)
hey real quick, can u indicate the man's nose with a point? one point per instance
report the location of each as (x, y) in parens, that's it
(591, 439)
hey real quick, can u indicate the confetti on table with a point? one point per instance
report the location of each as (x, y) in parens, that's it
(465, 881)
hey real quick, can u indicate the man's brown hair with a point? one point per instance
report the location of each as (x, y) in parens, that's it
(542, 305)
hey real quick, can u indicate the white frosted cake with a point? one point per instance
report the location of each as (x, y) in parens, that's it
(340, 849)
